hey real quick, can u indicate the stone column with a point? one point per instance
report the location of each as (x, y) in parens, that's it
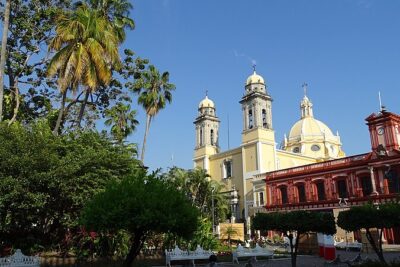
(371, 170)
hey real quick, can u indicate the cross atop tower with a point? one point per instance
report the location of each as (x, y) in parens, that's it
(305, 86)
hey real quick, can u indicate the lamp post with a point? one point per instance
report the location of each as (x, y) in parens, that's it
(234, 202)
(212, 208)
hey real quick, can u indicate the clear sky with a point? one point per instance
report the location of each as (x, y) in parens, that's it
(345, 50)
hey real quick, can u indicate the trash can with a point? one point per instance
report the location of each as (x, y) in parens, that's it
(320, 238)
(329, 248)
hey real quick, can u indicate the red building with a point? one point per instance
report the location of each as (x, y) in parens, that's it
(344, 182)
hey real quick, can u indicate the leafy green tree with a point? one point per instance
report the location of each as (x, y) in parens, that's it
(370, 217)
(154, 90)
(86, 53)
(141, 204)
(295, 222)
(201, 190)
(28, 94)
(4, 38)
(46, 180)
(122, 121)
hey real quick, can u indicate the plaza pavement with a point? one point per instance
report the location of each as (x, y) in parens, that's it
(306, 261)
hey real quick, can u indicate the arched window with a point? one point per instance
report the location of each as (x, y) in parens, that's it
(393, 181)
(366, 185)
(284, 194)
(212, 136)
(301, 191)
(250, 118)
(320, 190)
(201, 136)
(342, 188)
(264, 118)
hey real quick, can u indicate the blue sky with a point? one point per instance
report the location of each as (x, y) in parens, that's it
(345, 50)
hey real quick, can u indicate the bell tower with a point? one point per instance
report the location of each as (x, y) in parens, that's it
(207, 133)
(384, 130)
(256, 108)
(258, 137)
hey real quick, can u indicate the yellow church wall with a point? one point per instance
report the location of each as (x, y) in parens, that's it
(250, 158)
(289, 160)
(267, 161)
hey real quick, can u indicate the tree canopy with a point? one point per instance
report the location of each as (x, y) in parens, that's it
(141, 204)
(369, 217)
(46, 180)
(295, 222)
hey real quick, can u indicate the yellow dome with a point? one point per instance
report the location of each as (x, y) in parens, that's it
(254, 78)
(206, 103)
(308, 126)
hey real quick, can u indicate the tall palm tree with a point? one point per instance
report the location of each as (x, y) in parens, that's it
(4, 38)
(122, 121)
(86, 51)
(154, 92)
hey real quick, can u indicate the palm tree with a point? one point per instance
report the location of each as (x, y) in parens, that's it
(86, 52)
(122, 120)
(4, 38)
(117, 12)
(230, 231)
(154, 92)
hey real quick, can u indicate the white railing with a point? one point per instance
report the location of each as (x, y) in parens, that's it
(20, 260)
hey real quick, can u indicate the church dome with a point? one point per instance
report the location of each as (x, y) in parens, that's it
(206, 103)
(255, 78)
(309, 127)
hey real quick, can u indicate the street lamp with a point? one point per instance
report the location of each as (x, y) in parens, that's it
(234, 202)
(343, 204)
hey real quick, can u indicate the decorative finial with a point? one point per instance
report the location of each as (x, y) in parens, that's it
(254, 67)
(206, 93)
(305, 85)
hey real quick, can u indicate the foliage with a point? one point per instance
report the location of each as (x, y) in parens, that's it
(288, 224)
(86, 48)
(365, 217)
(28, 92)
(200, 189)
(141, 204)
(122, 121)
(46, 180)
(154, 90)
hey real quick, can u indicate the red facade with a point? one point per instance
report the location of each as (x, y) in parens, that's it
(354, 180)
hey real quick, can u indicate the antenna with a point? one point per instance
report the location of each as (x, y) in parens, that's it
(380, 101)
(228, 133)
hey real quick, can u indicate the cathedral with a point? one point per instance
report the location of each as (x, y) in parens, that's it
(242, 169)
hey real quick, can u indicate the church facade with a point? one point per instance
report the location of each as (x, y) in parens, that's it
(242, 169)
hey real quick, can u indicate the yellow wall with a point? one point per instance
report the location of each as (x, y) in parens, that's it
(251, 157)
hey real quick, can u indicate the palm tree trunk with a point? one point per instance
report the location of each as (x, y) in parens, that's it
(82, 110)
(60, 113)
(3, 53)
(148, 121)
